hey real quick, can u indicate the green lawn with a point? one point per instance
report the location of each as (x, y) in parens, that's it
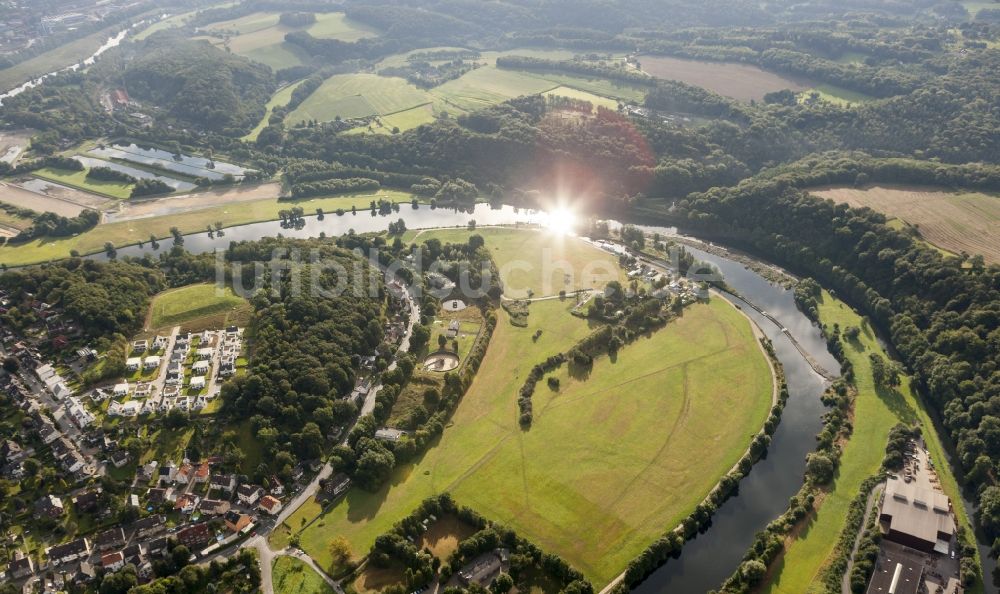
(124, 233)
(358, 95)
(291, 576)
(876, 412)
(610, 463)
(596, 100)
(403, 120)
(176, 306)
(78, 179)
(836, 95)
(487, 86)
(282, 97)
(521, 256)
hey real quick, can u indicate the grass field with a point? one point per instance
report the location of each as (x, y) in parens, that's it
(291, 576)
(282, 97)
(596, 100)
(259, 36)
(487, 86)
(599, 475)
(836, 95)
(538, 261)
(956, 221)
(404, 120)
(876, 412)
(358, 95)
(185, 304)
(78, 180)
(124, 233)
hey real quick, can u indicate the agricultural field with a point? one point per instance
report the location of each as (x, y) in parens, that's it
(128, 232)
(403, 120)
(876, 412)
(54, 59)
(739, 81)
(487, 86)
(280, 98)
(187, 304)
(529, 260)
(357, 96)
(291, 576)
(955, 221)
(836, 95)
(259, 36)
(580, 482)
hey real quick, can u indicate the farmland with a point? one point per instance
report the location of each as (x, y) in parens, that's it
(281, 98)
(955, 221)
(876, 412)
(739, 81)
(186, 304)
(597, 477)
(357, 96)
(259, 36)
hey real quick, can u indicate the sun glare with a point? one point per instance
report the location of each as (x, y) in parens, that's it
(561, 220)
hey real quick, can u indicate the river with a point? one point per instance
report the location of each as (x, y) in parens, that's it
(112, 41)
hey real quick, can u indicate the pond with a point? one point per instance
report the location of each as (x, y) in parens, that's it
(176, 184)
(185, 165)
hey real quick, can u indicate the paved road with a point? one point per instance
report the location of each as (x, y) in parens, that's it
(404, 346)
(845, 580)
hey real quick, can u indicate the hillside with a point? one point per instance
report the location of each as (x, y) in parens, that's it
(199, 83)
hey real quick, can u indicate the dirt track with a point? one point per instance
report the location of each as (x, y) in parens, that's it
(194, 201)
(58, 199)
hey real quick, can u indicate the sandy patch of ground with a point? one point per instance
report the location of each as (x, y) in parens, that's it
(194, 201)
(43, 196)
(13, 143)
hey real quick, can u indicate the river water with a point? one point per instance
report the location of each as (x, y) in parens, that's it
(112, 41)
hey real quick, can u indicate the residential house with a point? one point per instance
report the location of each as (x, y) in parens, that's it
(146, 472)
(148, 526)
(236, 521)
(49, 506)
(70, 551)
(167, 473)
(120, 389)
(184, 473)
(44, 372)
(87, 501)
(157, 546)
(249, 494)
(270, 504)
(133, 363)
(140, 346)
(214, 507)
(186, 503)
(194, 536)
(151, 362)
(200, 367)
(113, 561)
(21, 567)
(336, 485)
(277, 488)
(202, 473)
(12, 452)
(205, 353)
(110, 539)
(120, 458)
(223, 482)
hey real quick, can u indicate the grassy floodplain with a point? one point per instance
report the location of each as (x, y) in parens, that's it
(611, 461)
(185, 304)
(79, 180)
(55, 59)
(521, 254)
(876, 412)
(122, 233)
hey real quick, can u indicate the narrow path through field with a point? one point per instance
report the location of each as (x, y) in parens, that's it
(845, 580)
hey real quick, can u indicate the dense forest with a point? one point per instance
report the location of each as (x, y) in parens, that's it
(201, 84)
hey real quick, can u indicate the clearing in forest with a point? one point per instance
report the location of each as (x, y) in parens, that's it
(956, 221)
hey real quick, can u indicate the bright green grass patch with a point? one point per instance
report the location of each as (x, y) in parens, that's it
(14, 221)
(876, 412)
(78, 179)
(598, 86)
(278, 56)
(291, 576)
(610, 463)
(836, 95)
(539, 261)
(282, 97)
(124, 233)
(358, 95)
(403, 120)
(596, 100)
(250, 23)
(176, 306)
(851, 58)
(487, 86)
